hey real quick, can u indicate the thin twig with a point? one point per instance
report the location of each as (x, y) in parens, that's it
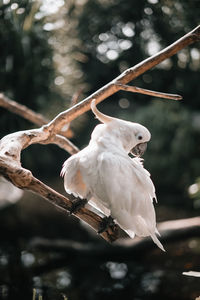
(75, 97)
(135, 89)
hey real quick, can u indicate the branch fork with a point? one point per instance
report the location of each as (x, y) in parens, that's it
(51, 132)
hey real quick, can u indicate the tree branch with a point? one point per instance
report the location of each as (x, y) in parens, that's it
(12, 144)
(38, 119)
(127, 76)
(22, 111)
(135, 89)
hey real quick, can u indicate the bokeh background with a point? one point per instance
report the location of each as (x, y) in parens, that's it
(52, 50)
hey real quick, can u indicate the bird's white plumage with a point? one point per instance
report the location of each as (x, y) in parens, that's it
(113, 182)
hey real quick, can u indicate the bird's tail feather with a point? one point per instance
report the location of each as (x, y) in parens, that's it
(157, 242)
(141, 229)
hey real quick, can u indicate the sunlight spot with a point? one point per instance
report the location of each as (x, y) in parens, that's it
(112, 54)
(14, 6)
(166, 10)
(152, 1)
(117, 270)
(20, 11)
(125, 44)
(27, 258)
(128, 30)
(112, 45)
(3, 260)
(147, 33)
(4, 291)
(102, 48)
(124, 103)
(39, 15)
(59, 80)
(193, 189)
(103, 37)
(195, 53)
(165, 64)
(151, 281)
(48, 26)
(77, 74)
(49, 7)
(37, 281)
(193, 244)
(153, 47)
(148, 11)
(182, 56)
(63, 280)
(53, 26)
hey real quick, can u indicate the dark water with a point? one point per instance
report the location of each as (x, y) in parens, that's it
(150, 275)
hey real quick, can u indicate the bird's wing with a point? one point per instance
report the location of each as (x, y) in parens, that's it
(125, 187)
(123, 184)
(73, 179)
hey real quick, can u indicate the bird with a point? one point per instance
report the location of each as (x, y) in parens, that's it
(111, 180)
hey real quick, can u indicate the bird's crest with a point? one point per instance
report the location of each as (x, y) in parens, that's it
(102, 117)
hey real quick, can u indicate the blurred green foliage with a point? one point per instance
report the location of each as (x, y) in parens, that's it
(26, 68)
(26, 72)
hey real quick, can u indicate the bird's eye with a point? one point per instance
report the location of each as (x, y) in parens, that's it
(139, 137)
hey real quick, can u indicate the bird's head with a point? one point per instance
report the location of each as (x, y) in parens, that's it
(133, 136)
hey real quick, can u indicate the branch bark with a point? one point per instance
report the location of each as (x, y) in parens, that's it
(12, 144)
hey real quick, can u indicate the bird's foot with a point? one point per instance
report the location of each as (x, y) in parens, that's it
(106, 222)
(77, 204)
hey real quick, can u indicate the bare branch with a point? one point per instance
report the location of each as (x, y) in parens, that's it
(12, 144)
(127, 76)
(22, 111)
(38, 119)
(135, 89)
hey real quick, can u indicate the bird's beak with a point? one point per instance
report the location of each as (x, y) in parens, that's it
(139, 149)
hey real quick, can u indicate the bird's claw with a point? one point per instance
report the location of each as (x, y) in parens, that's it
(77, 204)
(106, 222)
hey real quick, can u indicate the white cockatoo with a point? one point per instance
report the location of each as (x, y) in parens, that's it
(112, 181)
